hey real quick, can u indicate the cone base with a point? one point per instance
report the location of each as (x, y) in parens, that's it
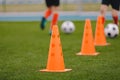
(107, 44)
(46, 70)
(87, 54)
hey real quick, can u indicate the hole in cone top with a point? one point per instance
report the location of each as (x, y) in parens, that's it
(86, 41)
(98, 34)
(99, 22)
(87, 27)
(58, 36)
(86, 34)
(53, 36)
(52, 54)
(53, 45)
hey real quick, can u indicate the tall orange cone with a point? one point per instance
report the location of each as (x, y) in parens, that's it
(100, 39)
(55, 58)
(88, 47)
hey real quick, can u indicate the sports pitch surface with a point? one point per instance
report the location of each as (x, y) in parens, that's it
(24, 51)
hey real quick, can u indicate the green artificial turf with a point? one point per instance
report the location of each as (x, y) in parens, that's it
(24, 51)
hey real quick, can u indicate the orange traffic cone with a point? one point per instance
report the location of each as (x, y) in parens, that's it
(88, 47)
(55, 58)
(100, 39)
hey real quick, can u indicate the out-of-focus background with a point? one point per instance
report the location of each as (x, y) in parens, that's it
(33, 10)
(39, 5)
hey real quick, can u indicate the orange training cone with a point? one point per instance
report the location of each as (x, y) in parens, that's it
(100, 39)
(55, 58)
(88, 47)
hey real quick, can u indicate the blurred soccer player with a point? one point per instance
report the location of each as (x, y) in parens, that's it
(52, 8)
(115, 9)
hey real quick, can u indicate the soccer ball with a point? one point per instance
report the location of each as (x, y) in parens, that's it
(68, 27)
(111, 30)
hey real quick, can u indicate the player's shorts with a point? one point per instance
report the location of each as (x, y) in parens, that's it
(114, 3)
(50, 3)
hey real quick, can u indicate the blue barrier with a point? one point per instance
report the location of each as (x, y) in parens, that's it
(36, 16)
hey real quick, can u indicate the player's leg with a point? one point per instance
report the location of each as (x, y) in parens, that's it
(115, 16)
(115, 10)
(54, 18)
(44, 18)
(47, 13)
(103, 9)
(55, 9)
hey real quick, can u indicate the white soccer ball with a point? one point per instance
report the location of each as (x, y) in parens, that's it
(68, 27)
(111, 30)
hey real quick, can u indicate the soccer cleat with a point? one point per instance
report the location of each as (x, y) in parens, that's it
(43, 23)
